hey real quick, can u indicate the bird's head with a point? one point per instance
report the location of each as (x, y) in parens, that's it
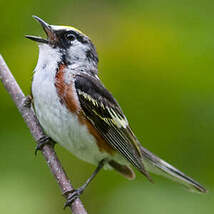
(72, 45)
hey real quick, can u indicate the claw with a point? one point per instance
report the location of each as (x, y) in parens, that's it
(74, 194)
(28, 101)
(43, 141)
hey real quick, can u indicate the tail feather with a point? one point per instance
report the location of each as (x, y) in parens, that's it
(158, 166)
(124, 170)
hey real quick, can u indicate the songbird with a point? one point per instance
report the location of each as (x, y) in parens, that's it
(78, 112)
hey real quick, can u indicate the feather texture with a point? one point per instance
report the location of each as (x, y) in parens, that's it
(105, 114)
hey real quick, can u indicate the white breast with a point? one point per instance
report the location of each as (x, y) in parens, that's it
(58, 123)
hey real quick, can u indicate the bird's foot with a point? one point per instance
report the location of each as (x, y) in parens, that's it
(73, 195)
(28, 100)
(42, 142)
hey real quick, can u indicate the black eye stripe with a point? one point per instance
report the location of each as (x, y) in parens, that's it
(70, 36)
(62, 34)
(78, 36)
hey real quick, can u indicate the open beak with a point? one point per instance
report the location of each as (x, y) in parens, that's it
(51, 37)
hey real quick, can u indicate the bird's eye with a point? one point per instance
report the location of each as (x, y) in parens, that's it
(70, 37)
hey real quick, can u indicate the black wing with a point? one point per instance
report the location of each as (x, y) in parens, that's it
(107, 117)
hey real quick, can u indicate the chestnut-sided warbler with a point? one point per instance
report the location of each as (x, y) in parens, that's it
(78, 112)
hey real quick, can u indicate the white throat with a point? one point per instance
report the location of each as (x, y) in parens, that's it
(48, 58)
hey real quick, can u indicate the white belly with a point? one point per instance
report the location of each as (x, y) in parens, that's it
(63, 126)
(59, 123)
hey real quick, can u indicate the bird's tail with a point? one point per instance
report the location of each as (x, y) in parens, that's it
(158, 166)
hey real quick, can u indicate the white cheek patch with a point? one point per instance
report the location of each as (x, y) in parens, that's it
(77, 52)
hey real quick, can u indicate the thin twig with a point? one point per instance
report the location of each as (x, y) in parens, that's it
(48, 152)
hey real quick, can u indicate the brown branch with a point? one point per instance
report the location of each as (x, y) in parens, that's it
(48, 152)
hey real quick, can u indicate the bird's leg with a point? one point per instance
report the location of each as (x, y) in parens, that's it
(43, 141)
(76, 193)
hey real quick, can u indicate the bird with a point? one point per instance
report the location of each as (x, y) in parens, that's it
(76, 110)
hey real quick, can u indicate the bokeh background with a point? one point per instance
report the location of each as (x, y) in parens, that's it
(157, 58)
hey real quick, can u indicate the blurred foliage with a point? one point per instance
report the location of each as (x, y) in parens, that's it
(157, 59)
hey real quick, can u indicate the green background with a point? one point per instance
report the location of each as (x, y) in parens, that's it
(157, 58)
